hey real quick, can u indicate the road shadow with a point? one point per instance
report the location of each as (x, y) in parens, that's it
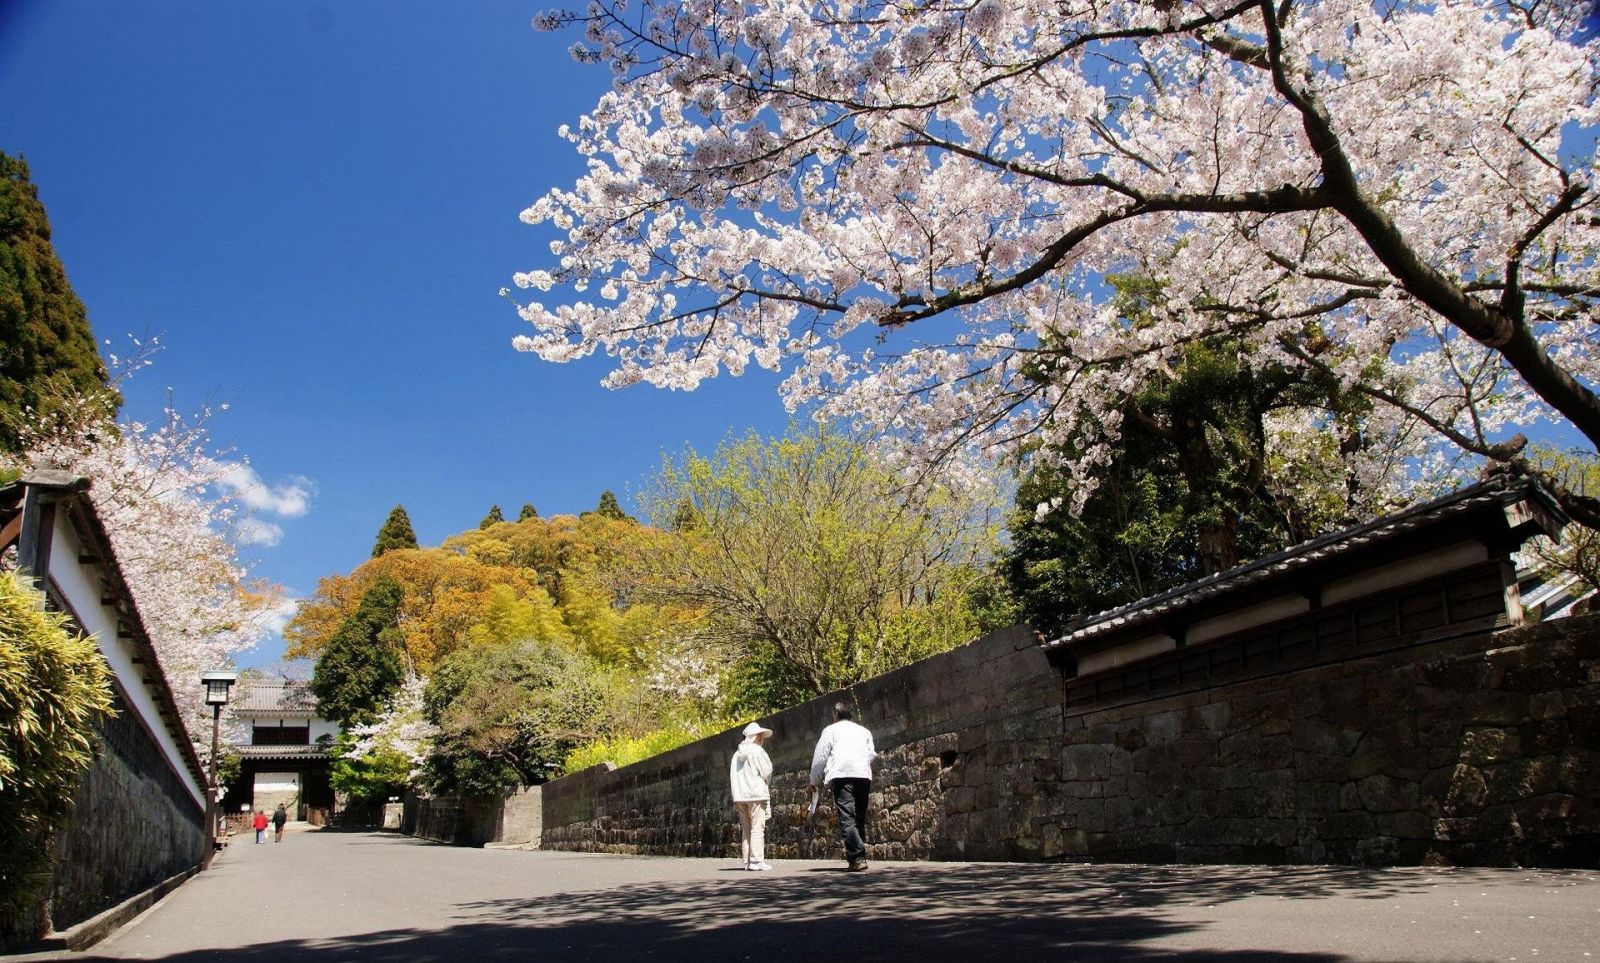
(663, 940)
(903, 913)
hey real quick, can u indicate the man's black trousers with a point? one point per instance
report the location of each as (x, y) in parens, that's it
(850, 798)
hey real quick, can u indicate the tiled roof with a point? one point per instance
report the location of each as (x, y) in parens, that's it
(280, 698)
(1497, 491)
(283, 752)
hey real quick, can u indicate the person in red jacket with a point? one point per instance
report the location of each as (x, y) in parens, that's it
(260, 824)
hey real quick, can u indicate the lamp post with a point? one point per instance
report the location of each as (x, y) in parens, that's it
(217, 684)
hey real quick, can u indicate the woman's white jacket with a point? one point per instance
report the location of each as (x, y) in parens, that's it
(749, 773)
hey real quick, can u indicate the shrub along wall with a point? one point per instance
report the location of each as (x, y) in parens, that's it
(133, 825)
(1473, 748)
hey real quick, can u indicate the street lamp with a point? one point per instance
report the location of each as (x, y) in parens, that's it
(217, 684)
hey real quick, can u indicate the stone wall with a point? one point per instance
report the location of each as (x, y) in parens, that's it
(511, 819)
(1480, 749)
(952, 732)
(1470, 748)
(133, 825)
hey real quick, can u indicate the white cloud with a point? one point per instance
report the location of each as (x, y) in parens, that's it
(276, 616)
(255, 531)
(288, 500)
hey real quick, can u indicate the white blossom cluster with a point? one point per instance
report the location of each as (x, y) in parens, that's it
(683, 674)
(912, 210)
(403, 728)
(173, 515)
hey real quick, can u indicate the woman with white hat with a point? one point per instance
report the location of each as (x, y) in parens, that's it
(749, 773)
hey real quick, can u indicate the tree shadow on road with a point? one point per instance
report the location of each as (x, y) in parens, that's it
(1114, 938)
(917, 912)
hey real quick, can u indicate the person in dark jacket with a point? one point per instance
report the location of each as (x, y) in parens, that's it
(278, 819)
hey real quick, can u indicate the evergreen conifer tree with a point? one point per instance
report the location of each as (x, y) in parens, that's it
(609, 508)
(493, 518)
(47, 350)
(528, 511)
(395, 533)
(360, 670)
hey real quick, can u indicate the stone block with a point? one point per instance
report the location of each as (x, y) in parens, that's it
(1192, 753)
(1319, 767)
(1162, 726)
(1583, 721)
(1484, 745)
(1543, 737)
(1212, 717)
(1317, 736)
(1052, 842)
(1085, 763)
(1543, 675)
(1461, 674)
(1382, 793)
(1316, 797)
(1578, 772)
(1521, 779)
(1439, 728)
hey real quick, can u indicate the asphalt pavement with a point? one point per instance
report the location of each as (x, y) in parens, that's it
(378, 897)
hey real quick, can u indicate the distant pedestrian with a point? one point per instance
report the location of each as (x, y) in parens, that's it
(843, 763)
(278, 819)
(749, 774)
(260, 824)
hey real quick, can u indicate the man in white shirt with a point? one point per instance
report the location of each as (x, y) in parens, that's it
(843, 763)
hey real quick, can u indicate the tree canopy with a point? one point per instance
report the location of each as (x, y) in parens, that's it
(912, 210)
(361, 669)
(508, 714)
(814, 566)
(47, 351)
(395, 533)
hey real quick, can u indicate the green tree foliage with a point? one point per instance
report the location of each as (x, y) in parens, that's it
(374, 776)
(1577, 555)
(1193, 489)
(361, 669)
(395, 533)
(815, 567)
(493, 518)
(609, 507)
(528, 511)
(54, 689)
(47, 350)
(508, 714)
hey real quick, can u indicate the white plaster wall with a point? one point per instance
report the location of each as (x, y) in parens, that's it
(80, 585)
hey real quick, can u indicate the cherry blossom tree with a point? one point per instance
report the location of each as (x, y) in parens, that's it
(911, 211)
(402, 733)
(175, 515)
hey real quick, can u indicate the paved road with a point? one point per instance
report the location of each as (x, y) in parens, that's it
(376, 898)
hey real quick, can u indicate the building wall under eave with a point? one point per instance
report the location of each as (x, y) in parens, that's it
(79, 584)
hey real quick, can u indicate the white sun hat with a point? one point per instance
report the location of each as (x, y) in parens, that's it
(756, 729)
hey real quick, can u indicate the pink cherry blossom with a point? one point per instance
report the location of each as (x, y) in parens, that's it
(912, 210)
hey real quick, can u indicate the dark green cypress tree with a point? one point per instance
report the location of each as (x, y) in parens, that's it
(528, 511)
(47, 350)
(396, 532)
(609, 508)
(360, 671)
(493, 518)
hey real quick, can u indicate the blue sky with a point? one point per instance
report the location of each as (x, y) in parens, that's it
(315, 206)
